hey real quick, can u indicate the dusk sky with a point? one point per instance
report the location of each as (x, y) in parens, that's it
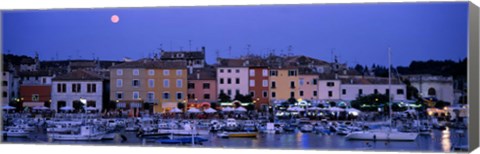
(357, 33)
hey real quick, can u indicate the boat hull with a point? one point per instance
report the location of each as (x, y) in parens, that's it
(382, 136)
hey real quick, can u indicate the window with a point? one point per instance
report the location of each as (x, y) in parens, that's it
(36, 78)
(229, 92)
(119, 83)
(330, 93)
(314, 81)
(119, 72)
(301, 81)
(5, 94)
(44, 80)
(119, 95)
(166, 72)
(387, 92)
(206, 96)
(206, 85)
(136, 95)
(274, 94)
(229, 81)
(150, 96)
(35, 97)
(252, 83)
(237, 80)
(237, 71)
(221, 70)
(360, 91)
(273, 73)
(292, 84)
(136, 72)
(166, 83)
(315, 93)
(61, 88)
(301, 93)
(237, 92)
(179, 83)
(375, 91)
(179, 95)
(221, 80)
(91, 88)
(265, 94)
(191, 85)
(292, 73)
(229, 70)
(264, 72)
(274, 85)
(330, 84)
(76, 88)
(252, 72)
(252, 93)
(221, 91)
(151, 72)
(179, 72)
(344, 91)
(265, 83)
(136, 83)
(166, 95)
(5, 83)
(399, 91)
(151, 83)
(292, 94)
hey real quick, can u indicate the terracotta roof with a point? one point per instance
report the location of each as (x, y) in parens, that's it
(168, 55)
(79, 75)
(304, 60)
(224, 62)
(203, 74)
(368, 80)
(35, 73)
(151, 63)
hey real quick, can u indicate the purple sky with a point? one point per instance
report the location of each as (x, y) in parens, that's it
(358, 33)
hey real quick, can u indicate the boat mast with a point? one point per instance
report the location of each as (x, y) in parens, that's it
(389, 86)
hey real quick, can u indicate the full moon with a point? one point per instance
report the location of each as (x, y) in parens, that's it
(115, 19)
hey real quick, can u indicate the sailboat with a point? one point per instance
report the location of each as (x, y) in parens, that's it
(384, 134)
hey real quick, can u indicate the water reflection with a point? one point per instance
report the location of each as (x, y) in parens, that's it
(446, 143)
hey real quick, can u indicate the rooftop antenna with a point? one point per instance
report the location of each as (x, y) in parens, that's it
(229, 51)
(161, 47)
(333, 57)
(290, 49)
(248, 49)
(217, 53)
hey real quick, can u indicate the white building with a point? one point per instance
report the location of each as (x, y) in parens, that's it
(434, 86)
(232, 77)
(9, 87)
(78, 86)
(329, 89)
(351, 88)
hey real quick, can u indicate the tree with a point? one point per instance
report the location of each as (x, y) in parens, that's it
(359, 68)
(412, 92)
(292, 100)
(180, 105)
(224, 97)
(332, 104)
(213, 105)
(370, 102)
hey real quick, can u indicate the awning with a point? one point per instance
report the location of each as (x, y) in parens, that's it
(33, 104)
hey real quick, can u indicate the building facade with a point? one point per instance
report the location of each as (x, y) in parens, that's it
(283, 84)
(75, 89)
(148, 84)
(351, 88)
(193, 59)
(308, 87)
(202, 87)
(437, 87)
(258, 86)
(232, 77)
(9, 87)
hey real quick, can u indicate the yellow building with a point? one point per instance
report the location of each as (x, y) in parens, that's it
(283, 83)
(148, 84)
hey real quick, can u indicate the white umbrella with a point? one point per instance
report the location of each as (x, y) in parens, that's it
(227, 109)
(193, 110)
(336, 109)
(90, 108)
(291, 109)
(314, 108)
(176, 110)
(8, 107)
(241, 109)
(299, 109)
(66, 108)
(353, 110)
(210, 110)
(40, 108)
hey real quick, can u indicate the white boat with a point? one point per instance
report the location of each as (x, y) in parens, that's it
(187, 129)
(87, 133)
(384, 134)
(231, 125)
(62, 129)
(16, 133)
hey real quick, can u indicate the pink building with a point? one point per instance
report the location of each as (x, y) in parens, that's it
(202, 87)
(308, 86)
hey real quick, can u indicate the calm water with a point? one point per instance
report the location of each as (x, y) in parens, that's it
(438, 141)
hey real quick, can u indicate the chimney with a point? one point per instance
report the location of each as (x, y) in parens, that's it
(190, 70)
(198, 76)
